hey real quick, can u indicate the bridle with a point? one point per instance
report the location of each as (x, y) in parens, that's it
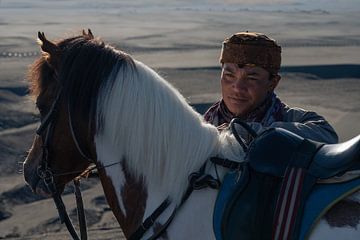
(48, 124)
(46, 132)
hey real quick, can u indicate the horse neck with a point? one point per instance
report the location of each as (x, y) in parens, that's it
(149, 125)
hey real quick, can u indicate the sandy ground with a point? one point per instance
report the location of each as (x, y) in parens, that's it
(181, 40)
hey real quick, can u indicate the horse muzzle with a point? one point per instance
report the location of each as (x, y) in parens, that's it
(33, 178)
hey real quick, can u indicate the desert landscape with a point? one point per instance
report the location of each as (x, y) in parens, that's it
(181, 40)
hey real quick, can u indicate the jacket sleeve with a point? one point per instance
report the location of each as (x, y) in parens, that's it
(307, 124)
(304, 123)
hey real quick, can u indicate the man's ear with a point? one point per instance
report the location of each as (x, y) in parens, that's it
(275, 79)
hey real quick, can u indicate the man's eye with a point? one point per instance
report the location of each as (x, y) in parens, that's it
(252, 78)
(229, 75)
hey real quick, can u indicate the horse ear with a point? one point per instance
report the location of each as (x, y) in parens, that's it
(88, 34)
(51, 50)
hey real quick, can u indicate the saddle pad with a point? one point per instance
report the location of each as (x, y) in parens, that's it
(321, 199)
(230, 184)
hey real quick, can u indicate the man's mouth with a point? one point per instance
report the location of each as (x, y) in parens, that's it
(237, 99)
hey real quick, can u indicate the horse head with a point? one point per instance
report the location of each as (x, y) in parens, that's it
(65, 82)
(56, 153)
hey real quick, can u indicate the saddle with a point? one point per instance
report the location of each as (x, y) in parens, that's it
(285, 186)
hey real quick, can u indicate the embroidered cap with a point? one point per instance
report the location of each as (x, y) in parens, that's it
(252, 48)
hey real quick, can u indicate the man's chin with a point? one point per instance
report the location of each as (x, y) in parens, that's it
(238, 107)
(238, 110)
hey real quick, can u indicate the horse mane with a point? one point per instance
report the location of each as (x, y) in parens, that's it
(38, 76)
(136, 115)
(147, 122)
(86, 64)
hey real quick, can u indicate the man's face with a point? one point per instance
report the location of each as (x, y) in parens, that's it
(245, 88)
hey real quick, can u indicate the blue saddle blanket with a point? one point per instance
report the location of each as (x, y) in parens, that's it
(321, 199)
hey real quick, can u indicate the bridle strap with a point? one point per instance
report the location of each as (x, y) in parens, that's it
(60, 206)
(226, 163)
(187, 194)
(48, 123)
(82, 153)
(166, 225)
(50, 116)
(80, 210)
(149, 221)
(46, 174)
(44, 171)
(64, 217)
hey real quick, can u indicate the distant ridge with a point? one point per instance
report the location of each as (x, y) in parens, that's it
(326, 71)
(331, 71)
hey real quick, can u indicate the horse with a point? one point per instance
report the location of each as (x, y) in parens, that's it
(98, 105)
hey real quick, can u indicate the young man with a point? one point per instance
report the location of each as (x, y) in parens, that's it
(250, 73)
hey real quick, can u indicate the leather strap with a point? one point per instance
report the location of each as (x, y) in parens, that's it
(226, 163)
(64, 217)
(80, 210)
(194, 177)
(149, 221)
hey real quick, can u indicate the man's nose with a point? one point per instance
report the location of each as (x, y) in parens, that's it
(240, 84)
